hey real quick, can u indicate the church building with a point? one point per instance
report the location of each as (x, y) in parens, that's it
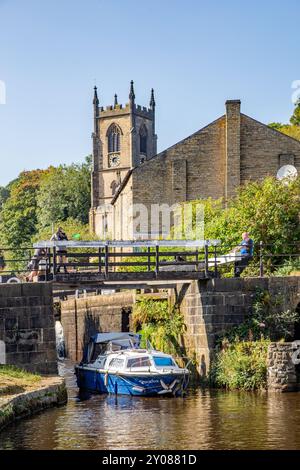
(212, 162)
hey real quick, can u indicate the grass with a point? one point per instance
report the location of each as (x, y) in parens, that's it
(14, 380)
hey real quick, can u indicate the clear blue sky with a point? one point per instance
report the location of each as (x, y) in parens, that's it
(194, 53)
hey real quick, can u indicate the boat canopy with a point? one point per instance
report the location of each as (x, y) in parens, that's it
(107, 337)
(99, 343)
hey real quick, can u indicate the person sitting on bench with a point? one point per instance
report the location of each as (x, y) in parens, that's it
(245, 249)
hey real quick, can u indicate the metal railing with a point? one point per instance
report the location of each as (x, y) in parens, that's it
(110, 257)
(157, 258)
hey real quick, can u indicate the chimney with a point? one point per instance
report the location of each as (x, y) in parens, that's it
(233, 150)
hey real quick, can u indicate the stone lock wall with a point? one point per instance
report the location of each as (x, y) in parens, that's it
(27, 326)
(282, 375)
(82, 318)
(211, 307)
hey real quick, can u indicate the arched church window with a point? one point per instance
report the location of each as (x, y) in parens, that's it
(114, 139)
(143, 140)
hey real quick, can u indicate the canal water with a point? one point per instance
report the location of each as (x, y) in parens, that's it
(205, 419)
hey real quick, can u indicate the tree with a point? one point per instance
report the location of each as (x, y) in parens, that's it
(4, 194)
(74, 229)
(18, 218)
(295, 119)
(292, 129)
(65, 193)
(268, 209)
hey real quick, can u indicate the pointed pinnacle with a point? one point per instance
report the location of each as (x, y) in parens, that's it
(131, 94)
(152, 100)
(95, 100)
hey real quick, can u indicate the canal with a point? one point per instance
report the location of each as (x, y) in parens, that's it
(205, 419)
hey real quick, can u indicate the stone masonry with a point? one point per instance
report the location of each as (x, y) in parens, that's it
(282, 375)
(82, 318)
(211, 307)
(27, 326)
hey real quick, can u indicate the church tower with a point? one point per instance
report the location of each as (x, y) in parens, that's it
(123, 138)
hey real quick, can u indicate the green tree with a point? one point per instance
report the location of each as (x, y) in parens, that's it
(276, 125)
(65, 193)
(74, 229)
(4, 194)
(268, 209)
(18, 219)
(295, 119)
(292, 129)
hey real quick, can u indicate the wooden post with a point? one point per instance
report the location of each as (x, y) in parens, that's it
(106, 261)
(99, 254)
(156, 260)
(47, 266)
(197, 259)
(54, 262)
(206, 259)
(76, 330)
(215, 260)
(149, 258)
(261, 259)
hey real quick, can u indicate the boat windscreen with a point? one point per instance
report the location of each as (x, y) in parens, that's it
(163, 361)
(120, 345)
(99, 348)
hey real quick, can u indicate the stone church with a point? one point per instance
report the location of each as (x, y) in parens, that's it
(212, 162)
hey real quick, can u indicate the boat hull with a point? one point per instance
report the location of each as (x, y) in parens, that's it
(171, 384)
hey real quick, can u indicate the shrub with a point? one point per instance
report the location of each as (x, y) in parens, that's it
(288, 267)
(158, 324)
(241, 366)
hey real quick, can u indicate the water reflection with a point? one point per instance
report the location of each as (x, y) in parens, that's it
(202, 420)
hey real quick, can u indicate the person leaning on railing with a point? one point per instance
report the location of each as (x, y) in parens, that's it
(61, 250)
(245, 249)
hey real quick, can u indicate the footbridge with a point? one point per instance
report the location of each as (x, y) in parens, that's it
(128, 264)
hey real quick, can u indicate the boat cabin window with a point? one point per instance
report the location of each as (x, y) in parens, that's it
(116, 363)
(139, 362)
(163, 361)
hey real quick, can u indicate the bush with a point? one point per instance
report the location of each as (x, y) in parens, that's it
(158, 324)
(288, 267)
(241, 366)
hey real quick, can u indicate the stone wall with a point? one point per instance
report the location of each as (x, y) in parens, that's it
(211, 307)
(27, 326)
(81, 318)
(265, 150)
(282, 375)
(233, 147)
(201, 157)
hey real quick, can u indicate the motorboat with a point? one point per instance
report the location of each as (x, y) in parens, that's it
(114, 363)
